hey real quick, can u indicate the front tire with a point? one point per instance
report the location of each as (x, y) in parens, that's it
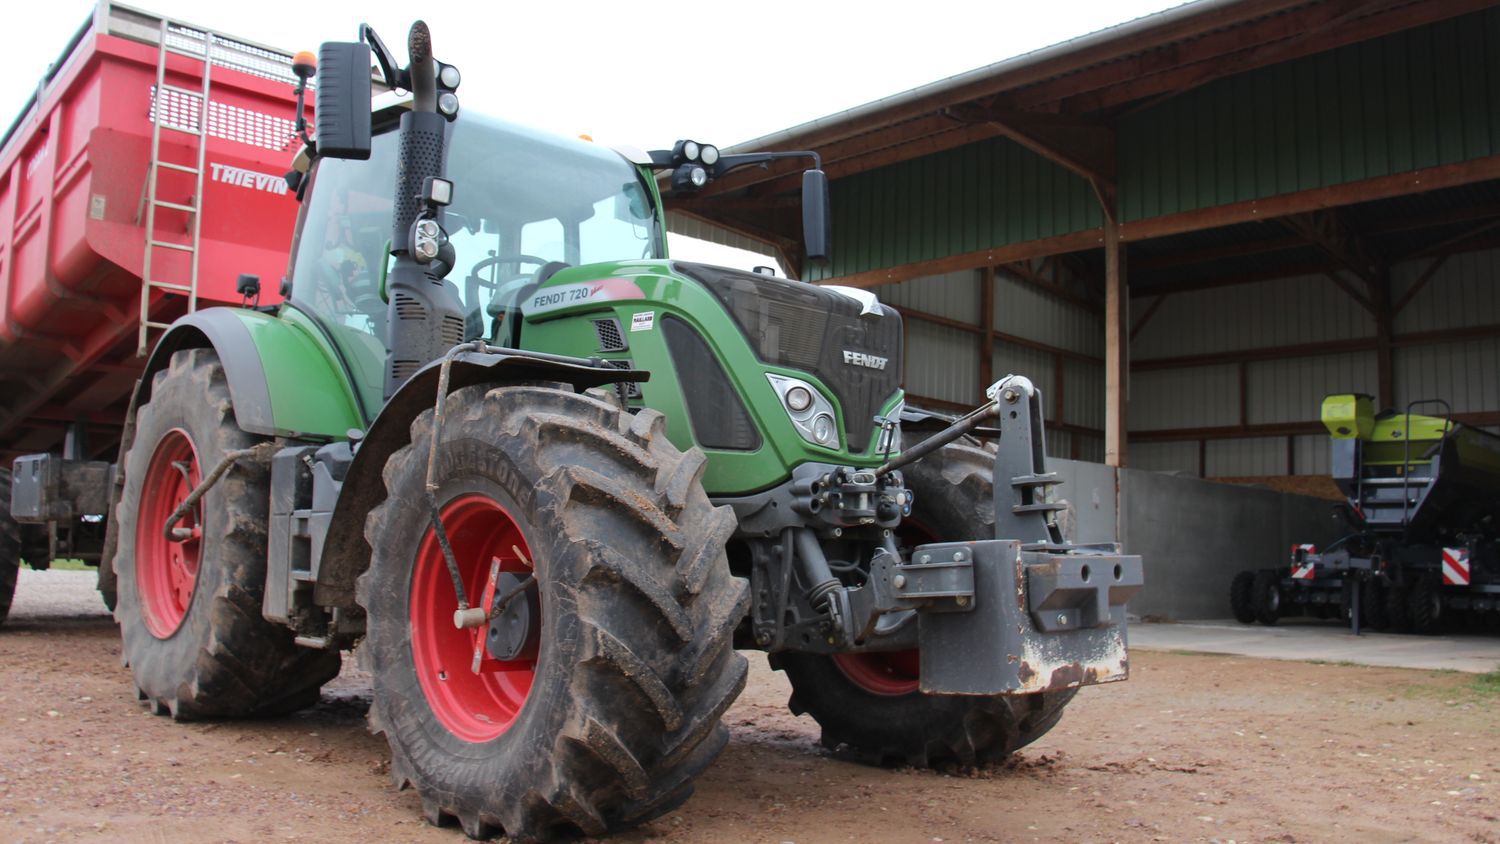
(870, 703)
(189, 610)
(1241, 597)
(613, 708)
(1266, 596)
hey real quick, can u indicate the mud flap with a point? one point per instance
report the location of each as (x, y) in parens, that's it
(1040, 621)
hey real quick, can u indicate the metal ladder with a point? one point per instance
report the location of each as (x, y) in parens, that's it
(153, 201)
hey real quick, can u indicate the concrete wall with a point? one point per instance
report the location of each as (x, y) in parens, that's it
(1193, 535)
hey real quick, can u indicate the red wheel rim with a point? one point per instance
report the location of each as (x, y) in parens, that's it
(167, 569)
(890, 673)
(480, 706)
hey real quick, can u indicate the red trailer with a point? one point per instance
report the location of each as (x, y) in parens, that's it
(125, 202)
(143, 179)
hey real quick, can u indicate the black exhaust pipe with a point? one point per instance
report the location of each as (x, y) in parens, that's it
(424, 318)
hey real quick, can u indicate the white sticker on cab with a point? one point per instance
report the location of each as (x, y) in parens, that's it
(643, 321)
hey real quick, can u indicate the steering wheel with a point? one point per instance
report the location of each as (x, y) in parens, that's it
(486, 263)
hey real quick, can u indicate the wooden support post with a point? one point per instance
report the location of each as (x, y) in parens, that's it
(1291, 454)
(987, 328)
(1244, 394)
(1058, 377)
(1116, 345)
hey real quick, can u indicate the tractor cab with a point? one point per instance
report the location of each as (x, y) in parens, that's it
(526, 205)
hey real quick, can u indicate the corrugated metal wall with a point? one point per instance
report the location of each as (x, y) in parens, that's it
(985, 194)
(942, 361)
(1465, 291)
(1419, 98)
(682, 224)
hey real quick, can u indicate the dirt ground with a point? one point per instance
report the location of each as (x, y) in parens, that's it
(1193, 747)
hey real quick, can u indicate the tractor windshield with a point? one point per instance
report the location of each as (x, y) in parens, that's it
(521, 199)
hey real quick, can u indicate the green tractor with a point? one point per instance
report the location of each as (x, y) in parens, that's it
(550, 482)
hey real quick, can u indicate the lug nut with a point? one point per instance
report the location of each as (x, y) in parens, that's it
(1062, 618)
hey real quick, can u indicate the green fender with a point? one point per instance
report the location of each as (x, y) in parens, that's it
(284, 378)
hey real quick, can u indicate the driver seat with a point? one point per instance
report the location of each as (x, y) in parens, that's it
(505, 312)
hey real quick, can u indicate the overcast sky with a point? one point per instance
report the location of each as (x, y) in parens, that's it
(643, 74)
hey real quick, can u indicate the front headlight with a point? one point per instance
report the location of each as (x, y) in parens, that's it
(811, 414)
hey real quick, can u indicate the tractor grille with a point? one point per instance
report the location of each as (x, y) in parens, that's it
(611, 339)
(628, 389)
(804, 327)
(719, 417)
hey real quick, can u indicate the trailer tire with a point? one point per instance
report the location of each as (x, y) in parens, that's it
(1373, 612)
(1397, 609)
(10, 548)
(886, 720)
(1241, 597)
(1425, 605)
(1267, 598)
(613, 706)
(190, 616)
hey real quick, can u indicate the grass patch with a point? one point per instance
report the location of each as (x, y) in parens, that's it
(71, 565)
(1486, 685)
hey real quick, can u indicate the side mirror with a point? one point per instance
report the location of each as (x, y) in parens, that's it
(343, 110)
(817, 228)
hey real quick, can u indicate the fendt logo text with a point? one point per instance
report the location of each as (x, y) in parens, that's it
(862, 359)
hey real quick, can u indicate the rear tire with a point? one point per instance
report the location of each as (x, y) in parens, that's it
(608, 718)
(1241, 594)
(1425, 605)
(10, 548)
(1266, 596)
(870, 705)
(189, 611)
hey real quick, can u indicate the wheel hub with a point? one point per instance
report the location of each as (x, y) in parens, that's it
(517, 630)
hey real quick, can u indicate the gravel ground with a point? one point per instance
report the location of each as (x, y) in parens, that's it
(56, 594)
(1192, 748)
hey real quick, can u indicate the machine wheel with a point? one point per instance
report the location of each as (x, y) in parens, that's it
(1372, 606)
(1397, 611)
(1241, 597)
(1266, 596)
(870, 703)
(1425, 605)
(598, 699)
(10, 548)
(189, 608)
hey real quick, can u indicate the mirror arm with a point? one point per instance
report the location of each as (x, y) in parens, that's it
(390, 70)
(727, 163)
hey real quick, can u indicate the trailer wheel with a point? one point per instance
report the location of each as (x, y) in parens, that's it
(10, 548)
(1242, 597)
(1397, 612)
(1372, 606)
(1425, 605)
(1266, 596)
(596, 702)
(189, 608)
(870, 702)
